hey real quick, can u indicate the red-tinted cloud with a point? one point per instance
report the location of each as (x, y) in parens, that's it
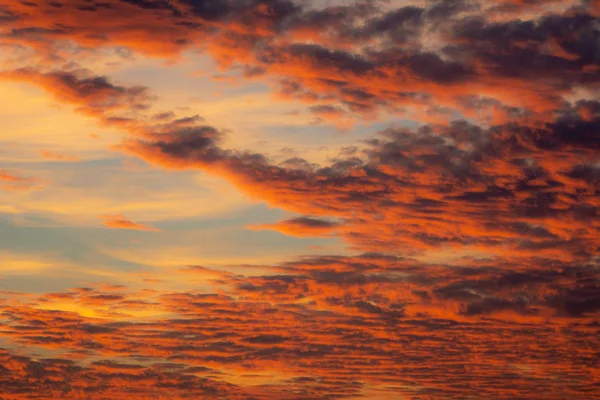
(476, 54)
(121, 222)
(301, 226)
(50, 155)
(11, 181)
(92, 95)
(319, 327)
(506, 187)
(501, 182)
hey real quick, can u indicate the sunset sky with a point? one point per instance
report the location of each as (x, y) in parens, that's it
(300, 199)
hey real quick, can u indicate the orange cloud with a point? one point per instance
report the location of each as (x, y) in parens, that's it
(50, 155)
(357, 313)
(92, 95)
(359, 81)
(121, 222)
(417, 190)
(301, 226)
(508, 200)
(389, 197)
(12, 181)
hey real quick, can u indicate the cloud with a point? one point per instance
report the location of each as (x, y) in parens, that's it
(92, 95)
(389, 195)
(330, 53)
(12, 181)
(301, 226)
(121, 222)
(431, 187)
(410, 190)
(103, 378)
(50, 155)
(498, 176)
(355, 312)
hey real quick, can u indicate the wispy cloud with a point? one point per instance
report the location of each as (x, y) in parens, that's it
(50, 155)
(10, 180)
(121, 222)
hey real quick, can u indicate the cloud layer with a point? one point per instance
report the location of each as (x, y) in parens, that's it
(329, 327)
(472, 218)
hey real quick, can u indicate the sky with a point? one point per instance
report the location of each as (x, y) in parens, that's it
(299, 199)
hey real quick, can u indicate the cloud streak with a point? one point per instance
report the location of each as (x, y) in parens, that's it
(13, 181)
(301, 226)
(121, 222)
